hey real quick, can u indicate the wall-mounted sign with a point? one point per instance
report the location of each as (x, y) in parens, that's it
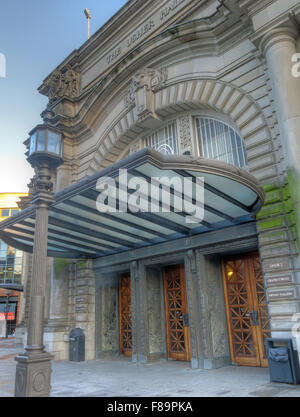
(277, 265)
(160, 16)
(275, 295)
(279, 280)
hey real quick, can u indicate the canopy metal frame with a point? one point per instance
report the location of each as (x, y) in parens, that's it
(78, 230)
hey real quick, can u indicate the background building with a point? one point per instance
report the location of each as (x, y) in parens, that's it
(11, 265)
(214, 86)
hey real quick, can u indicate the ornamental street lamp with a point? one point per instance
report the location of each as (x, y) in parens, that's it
(33, 372)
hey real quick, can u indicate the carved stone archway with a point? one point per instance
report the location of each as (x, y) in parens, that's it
(220, 97)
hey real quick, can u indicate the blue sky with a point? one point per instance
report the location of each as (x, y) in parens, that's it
(35, 36)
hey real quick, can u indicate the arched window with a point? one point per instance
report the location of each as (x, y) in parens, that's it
(219, 141)
(164, 140)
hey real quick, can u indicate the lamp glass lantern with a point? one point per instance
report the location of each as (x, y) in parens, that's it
(46, 145)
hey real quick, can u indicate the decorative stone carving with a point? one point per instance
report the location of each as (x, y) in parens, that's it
(130, 97)
(185, 134)
(141, 94)
(64, 83)
(135, 147)
(159, 80)
(148, 78)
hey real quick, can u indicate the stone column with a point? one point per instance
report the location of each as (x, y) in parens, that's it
(107, 320)
(58, 326)
(85, 316)
(210, 314)
(279, 221)
(279, 47)
(139, 304)
(191, 273)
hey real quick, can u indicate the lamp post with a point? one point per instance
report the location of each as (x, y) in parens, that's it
(33, 372)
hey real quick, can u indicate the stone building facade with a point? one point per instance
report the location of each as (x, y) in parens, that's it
(184, 77)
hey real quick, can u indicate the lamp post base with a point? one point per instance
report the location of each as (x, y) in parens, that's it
(33, 374)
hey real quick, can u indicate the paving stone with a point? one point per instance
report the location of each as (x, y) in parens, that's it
(118, 378)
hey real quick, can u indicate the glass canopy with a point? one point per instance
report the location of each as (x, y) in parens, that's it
(77, 229)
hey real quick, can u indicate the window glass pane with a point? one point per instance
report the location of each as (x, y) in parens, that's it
(5, 213)
(41, 140)
(219, 141)
(164, 140)
(53, 142)
(14, 211)
(32, 144)
(11, 263)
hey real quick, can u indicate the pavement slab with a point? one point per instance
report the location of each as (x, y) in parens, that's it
(122, 378)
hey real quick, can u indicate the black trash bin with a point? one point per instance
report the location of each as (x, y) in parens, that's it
(283, 361)
(77, 346)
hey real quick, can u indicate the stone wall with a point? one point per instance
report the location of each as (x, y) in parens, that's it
(107, 321)
(155, 314)
(279, 249)
(208, 325)
(84, 314)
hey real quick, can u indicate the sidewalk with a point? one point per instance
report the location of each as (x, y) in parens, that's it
(121, 378)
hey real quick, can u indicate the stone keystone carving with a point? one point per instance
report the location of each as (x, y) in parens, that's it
(148, 78)
(63, 83)
(185, 134)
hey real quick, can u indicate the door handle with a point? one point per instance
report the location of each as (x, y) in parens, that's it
(186, 320)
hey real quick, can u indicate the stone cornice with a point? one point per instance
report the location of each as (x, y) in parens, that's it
(207, 34)
(283, 24)
(255, 6)
(227, 10)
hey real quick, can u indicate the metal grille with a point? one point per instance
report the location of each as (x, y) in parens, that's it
(125, 315)
(164, 140)
(242, 330)
(219, 141)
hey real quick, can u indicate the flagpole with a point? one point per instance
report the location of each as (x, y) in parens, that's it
(88, 16)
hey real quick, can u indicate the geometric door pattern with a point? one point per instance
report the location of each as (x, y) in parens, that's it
(262, 307)
(246, 307)
(178, 335)
(125, 318)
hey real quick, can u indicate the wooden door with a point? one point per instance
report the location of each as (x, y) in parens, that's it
(125, 315)
(177, 326)
(246, 306)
